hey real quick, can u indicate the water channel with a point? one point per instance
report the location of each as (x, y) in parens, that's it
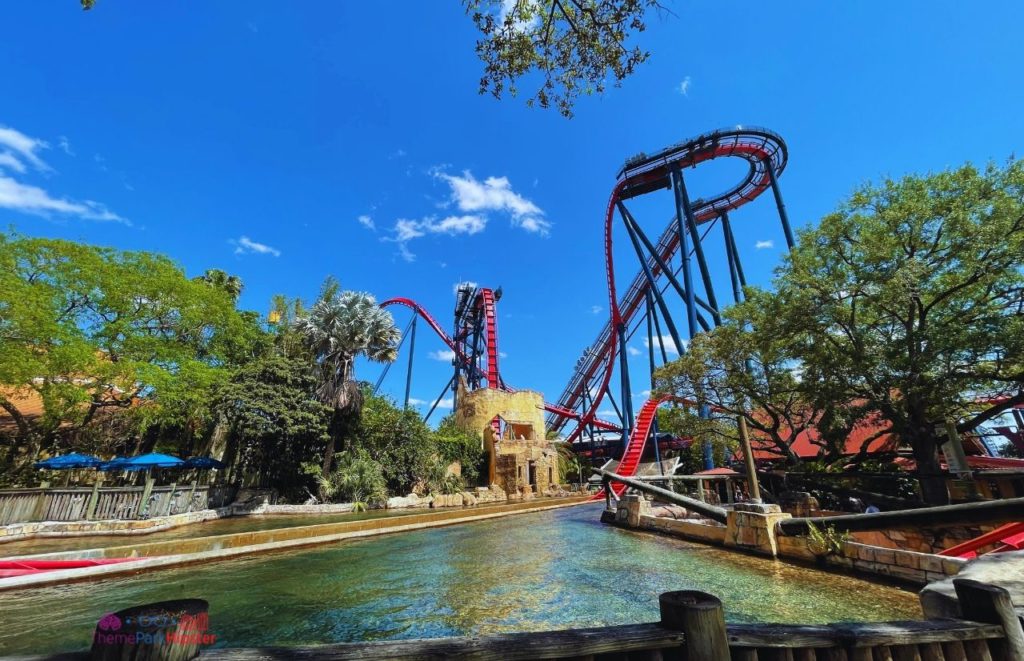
(546, 570)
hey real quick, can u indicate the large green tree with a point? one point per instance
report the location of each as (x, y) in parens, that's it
(275, 422)
(571, 47)
(748, 368)
(908, 302)
(87, 329)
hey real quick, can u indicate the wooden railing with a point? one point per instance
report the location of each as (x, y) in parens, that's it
(704, 509)
(84, 503)
(692, 628)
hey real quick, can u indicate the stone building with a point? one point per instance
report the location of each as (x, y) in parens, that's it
(510, 426)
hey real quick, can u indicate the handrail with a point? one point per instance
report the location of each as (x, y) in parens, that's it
(989, 511)
(710, 511)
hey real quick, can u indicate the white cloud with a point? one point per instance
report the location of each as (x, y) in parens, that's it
(35, 200)
(444, 355)
(101, 162)
(607, 413)
(495, 194)
(11, 162)
(502, 354)
(456, 225)
(65, 145)
(595, 309)
(406, 230)
(445, 403)
(245, 245)
(670, 346)
(366, 222)
(19, 149)
(761, 245)
(405, 253)
(684, 86)
(24, 145)
(633, 351)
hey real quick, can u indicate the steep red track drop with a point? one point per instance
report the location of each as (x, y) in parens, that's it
(637, 442)
(491, 335)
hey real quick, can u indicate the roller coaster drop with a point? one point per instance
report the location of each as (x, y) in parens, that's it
(647, 298)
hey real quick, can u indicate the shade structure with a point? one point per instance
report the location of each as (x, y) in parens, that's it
(203, 462)
(67, 461)
(142, 462)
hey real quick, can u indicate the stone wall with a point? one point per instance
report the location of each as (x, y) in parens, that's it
(18, 531)
(753, 528)
(932, 540)
(511, 458)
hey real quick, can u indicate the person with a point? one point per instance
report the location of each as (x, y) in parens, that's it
(872, 509)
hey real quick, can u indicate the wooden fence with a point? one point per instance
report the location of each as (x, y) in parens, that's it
(87, 504)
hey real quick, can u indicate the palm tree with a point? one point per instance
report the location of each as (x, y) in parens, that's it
(338, 328)
(231, 284)
(568, 461)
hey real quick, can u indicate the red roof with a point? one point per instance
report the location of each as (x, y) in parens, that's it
(718, 471)
(804, 447)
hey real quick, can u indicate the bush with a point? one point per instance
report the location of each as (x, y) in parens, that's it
(357, 479)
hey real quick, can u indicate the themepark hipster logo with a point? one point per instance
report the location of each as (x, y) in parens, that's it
(152, 629)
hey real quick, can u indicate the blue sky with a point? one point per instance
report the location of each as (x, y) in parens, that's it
(284, 142)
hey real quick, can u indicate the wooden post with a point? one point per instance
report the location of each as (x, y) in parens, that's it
(170, 499)
(701, 618)
(168, 630)
(606, 484)
(39, 511)
(700, 490)
(991, 604)
(94, 497)
(192, 494)
(146, 491)
(748, 460)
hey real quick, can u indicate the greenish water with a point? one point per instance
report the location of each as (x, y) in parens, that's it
(548, 570)
(202, 529)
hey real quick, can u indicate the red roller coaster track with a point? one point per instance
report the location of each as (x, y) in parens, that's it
(760, 148)
(764, 151)
(486, 301)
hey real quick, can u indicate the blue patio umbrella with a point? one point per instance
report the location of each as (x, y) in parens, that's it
(68, 461)
(203, 462)
(142, 462)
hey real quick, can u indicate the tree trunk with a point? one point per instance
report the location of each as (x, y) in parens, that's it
(929, 472)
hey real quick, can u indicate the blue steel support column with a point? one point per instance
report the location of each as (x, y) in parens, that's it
(661, 342)
(702, 264)
(683, 204)
(735, 274)
(618, 411)
(650, 357)
(731, 241)
(737, 291)
(781, 206)
(665, 268)
(683, 214)
(652, 285)
(412, 353)
(627, 395)
(589, 429)
(439, 398)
